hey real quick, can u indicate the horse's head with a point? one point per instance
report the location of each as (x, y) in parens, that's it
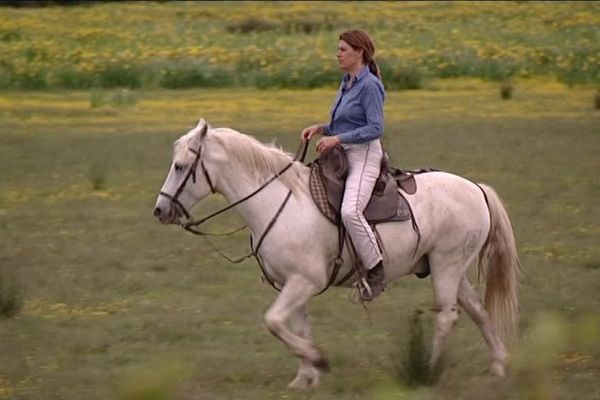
(188, 181)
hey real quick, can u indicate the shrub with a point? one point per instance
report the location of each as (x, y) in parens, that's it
(194, 74)
(10, 292)
(31, 80)
(10, 36)
(250, 24)
(496, 70)
(402, 77)
(411, 368)
(72, 78)
(5, 78)
(116, 75)
(306, 26)
(506, 90)
(98, 174)
(577, 67)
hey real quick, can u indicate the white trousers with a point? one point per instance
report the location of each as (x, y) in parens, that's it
(364, 162)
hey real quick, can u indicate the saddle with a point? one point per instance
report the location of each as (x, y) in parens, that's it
(328, 179)
(327, 184)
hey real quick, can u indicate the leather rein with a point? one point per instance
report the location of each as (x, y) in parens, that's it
(191, 224)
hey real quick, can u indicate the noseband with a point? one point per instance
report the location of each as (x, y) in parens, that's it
(174, 199)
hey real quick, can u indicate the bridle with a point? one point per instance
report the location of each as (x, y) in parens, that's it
(174, 199)
(191, 224)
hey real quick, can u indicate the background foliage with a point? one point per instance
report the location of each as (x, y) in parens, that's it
(293, 44)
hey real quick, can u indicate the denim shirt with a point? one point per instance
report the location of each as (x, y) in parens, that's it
(357, 112)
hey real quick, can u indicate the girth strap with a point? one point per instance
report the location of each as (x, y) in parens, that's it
(338, 261)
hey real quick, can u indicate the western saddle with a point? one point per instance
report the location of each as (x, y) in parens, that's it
(328, 179)
(388, 203)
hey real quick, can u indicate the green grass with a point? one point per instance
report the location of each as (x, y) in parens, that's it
(116, 305)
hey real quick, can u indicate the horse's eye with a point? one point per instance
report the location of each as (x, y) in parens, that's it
(179, 167)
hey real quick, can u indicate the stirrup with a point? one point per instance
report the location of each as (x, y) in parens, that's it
(364, 289)
(359, 290)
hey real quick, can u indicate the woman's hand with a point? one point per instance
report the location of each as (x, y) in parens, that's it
(311, 131)
(327, 143)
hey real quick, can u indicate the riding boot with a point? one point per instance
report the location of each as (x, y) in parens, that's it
(375, 279)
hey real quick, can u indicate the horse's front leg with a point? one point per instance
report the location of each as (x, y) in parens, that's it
(292, 300)
(308, 375)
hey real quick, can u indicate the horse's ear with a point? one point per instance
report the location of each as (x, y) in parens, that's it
(203, 126)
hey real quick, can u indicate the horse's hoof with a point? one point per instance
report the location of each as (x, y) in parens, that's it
(497, 369)
(322, 364)
(304, 383)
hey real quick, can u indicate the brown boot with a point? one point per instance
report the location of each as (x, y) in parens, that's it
(375, 279)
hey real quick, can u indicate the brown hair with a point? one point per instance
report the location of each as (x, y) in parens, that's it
(360, 40)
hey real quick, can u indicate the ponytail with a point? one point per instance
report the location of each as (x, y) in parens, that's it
(375, 70)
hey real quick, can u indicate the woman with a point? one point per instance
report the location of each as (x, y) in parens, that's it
(357, 125)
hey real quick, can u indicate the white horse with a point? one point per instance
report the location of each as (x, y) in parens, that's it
(459, 222)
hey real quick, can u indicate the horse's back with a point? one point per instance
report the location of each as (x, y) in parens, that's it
(439, 185)
(449, 206)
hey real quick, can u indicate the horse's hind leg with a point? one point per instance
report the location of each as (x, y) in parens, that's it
(469, 300)
(293, 298)
(308, 375)
(445, 284)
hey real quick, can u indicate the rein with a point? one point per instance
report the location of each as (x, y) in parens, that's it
(191, 224)
(188, 225)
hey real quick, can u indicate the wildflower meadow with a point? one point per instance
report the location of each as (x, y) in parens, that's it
(292, 44)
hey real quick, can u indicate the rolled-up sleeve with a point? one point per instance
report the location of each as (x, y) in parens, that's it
(371, 99)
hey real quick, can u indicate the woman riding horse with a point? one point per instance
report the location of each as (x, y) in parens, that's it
(357, 125)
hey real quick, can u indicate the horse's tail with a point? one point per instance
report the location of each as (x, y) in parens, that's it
(499, 255)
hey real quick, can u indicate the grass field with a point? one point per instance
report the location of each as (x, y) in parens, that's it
(114, 305)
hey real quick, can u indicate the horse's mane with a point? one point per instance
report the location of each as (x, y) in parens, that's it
(244, 151)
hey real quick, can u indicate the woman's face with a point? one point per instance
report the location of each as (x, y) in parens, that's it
(348, 58)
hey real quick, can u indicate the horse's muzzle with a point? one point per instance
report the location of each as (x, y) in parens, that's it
(166, 215)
